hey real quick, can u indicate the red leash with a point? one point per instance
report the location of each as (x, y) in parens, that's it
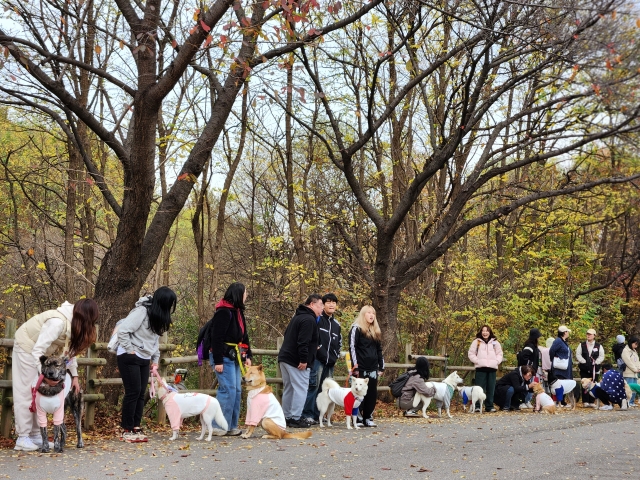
(33, 408)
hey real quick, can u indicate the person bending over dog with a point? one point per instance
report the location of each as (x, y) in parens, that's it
(512, 389)
(611, 389)
(138, 349)
(230, 352)
(366, 355)
(415, 383)
(68, 330)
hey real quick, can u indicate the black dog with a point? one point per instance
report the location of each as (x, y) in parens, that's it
(54, 370)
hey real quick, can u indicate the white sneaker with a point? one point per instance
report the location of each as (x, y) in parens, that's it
(631, 404)
(528, 405)
(25, 444)
(37, 440)
(218, 432)
(523, 406)
(587, 405)
(624, 405)
(606, 407)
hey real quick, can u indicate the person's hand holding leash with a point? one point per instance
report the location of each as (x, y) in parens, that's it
(75, 385)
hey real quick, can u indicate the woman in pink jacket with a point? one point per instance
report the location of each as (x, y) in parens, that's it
(485, 353)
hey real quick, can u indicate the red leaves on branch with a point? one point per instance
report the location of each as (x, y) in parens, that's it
(335, 8)
(204, 26)
(223, 41)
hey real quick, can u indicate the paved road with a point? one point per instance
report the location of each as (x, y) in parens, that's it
(583, 444)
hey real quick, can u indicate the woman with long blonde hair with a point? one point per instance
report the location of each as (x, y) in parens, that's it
(366, 354)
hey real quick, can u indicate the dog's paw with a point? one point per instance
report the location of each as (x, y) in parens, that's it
(80, 445)
(245, 435)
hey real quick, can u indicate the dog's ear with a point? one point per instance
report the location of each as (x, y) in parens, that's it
(259, 367)
(366, 380)
(42, 359)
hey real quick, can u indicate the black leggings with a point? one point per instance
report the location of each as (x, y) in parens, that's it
(604, 397)
(135, 377)
(369, 403)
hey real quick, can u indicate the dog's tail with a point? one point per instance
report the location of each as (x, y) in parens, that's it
(220, 420)
(328, 384)
(298, 435)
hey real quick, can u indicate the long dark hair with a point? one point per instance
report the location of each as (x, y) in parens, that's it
(163, 304)
(422, 368)
(83, 326)
(235, 295)
(479, 334)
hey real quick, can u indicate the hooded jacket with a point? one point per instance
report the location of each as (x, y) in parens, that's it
(485, 354)
(530, 356)
(329, 340)
(520, 386)
(135, 334)
(365, 352)
(300, 339)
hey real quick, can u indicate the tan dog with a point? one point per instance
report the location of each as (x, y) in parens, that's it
(588, 384)
(544, 403)
(263, 408)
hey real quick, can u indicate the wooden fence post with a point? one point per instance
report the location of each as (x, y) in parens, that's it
(7, 416)
(162, 370)
(407, 352)
(279, 389)
(90, 407)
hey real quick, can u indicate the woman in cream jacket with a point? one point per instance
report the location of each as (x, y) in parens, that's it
(67, 330)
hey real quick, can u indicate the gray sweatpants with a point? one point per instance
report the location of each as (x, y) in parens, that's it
(296, 384)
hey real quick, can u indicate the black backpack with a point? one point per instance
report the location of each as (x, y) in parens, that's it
(398, 384)
(521, 359)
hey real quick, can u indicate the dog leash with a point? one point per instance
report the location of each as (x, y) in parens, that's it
(152, 388)
(32, 407)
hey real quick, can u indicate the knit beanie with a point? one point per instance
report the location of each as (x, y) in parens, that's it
(620, 339)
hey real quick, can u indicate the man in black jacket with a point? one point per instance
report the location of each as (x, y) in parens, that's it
(297, 354)
(329, 343)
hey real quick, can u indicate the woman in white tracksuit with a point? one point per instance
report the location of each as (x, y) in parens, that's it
(67, 330)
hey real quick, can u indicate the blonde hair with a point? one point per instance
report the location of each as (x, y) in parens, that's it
(369, 330)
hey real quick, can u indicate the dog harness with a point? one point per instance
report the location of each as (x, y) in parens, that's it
(183, 405)
(51, 405)
(345, 398)
(264, 405)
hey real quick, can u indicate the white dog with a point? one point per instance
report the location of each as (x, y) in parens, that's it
(444, 393)
(349, 398)
(183, 405)
(472, 394)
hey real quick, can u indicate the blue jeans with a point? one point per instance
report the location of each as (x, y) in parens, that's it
(507, 398)
(229, 391)
(319, 371)
(528, 397)
(629, 381)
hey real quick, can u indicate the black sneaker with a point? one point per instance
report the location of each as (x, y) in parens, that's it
(288, 421)
(310, 421)
(300, 423)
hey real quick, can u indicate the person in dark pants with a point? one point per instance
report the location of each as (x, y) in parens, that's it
(611, 389)
(329, 343)
(512, 389)
(590, 355)
(138, 352)
(366, 354)
(530, 355)
(485, 353)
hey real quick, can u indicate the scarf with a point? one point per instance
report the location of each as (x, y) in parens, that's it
(224, 304)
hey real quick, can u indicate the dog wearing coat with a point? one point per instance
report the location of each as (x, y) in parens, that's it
(52, 396)
(443, 395)
(350, 398)
(472, 395)
(263, 408)
(544, 402)
(184, 405)
(588, 385)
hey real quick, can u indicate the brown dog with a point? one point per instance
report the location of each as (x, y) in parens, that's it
(263, 408)
(544, 402)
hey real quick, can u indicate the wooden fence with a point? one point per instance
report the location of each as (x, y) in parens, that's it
(92, 383)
